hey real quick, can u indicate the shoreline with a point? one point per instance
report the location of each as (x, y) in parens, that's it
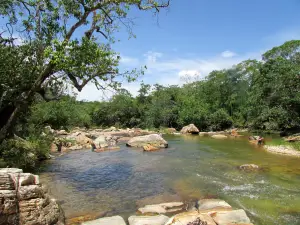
(282, 150)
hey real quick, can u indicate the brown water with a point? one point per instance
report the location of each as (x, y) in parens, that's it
(117, 182)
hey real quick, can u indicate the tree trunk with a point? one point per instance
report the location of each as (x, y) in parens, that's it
(9, 123)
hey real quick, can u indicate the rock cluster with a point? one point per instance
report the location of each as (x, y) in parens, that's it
(98, 139)
(205, 212)
(23, 200)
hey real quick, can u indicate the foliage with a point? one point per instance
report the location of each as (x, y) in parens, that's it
(261, 95)
(25, 153)
(62, 41)
(67, 112)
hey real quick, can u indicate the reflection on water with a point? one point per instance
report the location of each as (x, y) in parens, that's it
(117, 182)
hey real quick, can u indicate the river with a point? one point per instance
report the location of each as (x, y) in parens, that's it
(193, 167)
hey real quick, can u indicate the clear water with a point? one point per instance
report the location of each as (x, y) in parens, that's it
(117, 182)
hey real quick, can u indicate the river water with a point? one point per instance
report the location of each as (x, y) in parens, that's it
(193, 167)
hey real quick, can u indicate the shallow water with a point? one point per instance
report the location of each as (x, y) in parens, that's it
(117, 182)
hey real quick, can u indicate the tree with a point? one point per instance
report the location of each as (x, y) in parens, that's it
(62, 40)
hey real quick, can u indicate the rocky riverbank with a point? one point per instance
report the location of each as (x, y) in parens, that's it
(106, 139)
(203, 212)
(24, 200)
(282, 150)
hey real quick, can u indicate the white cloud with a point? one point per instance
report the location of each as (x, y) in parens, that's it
(129, 61)
(169, 70)
(228, 54)
(183, 73)
(151, 57)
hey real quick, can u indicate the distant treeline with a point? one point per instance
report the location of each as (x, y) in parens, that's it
(260, 95)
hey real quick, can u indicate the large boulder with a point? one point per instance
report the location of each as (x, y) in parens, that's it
(190, 129)
(106, 142)
(145, 220)
(100, 142)
(82, 140)
(114, 220)
(152, 139)
(23, 200)
(162, 208)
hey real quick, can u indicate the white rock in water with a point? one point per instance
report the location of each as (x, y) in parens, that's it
(190, 129)
(231, 217)
(114, 220)
(100, 142)
(153, 139)
(207, 204)
(145, 220)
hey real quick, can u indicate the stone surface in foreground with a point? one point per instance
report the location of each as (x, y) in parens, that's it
(147, 220)
(189, 217)
(114, 220)
(210, 204)
(231, 217)
(23, 200)
(162, 208)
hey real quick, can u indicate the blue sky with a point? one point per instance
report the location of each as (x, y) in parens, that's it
(197, 36)
(194, 37)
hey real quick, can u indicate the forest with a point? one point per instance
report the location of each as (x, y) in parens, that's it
(39, 62)
(256, 94)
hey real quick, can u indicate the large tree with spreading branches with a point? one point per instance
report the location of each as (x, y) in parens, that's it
(49, 42)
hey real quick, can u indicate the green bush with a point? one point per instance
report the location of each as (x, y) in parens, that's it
(220, 120)
(25, 153)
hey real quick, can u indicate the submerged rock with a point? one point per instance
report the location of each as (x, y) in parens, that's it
(114, 220)
(219, 136)
(145, 220)
(150, 148)
(190, 129)
(249, 167)
(151, 139)
(162, 208)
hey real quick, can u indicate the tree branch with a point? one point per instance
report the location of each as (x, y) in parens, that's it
(78, 86)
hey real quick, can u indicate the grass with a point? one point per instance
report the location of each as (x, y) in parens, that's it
(277, 142)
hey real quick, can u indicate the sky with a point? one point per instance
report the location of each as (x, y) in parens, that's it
(195, 37)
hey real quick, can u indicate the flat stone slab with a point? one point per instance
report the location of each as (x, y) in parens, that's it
(231, 217)
(147, 220)
(190, 217)
(211, 204)
(11, 170)
(162, 208)
(114, 220)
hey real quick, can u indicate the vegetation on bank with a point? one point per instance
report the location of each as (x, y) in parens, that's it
(34, 75)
